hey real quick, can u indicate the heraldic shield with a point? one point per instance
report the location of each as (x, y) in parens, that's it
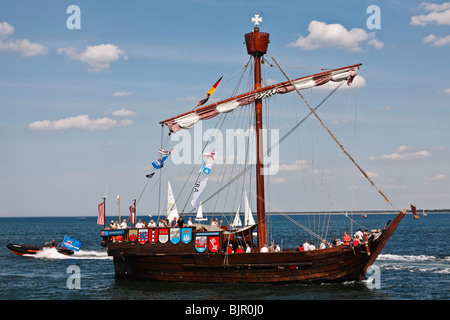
(143, 236)
(153, 237)
(186, 235)
(132, 236)
(175, 235)
(163, 236)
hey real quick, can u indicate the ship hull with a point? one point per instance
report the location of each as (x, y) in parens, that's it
(180, 262)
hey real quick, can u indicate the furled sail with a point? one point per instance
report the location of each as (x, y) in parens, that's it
(189, 119)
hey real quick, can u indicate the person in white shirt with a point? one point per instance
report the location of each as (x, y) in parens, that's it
(123, 225)
(248, 249)
(323, 245)
(152, 224)
(190, 222)
(139, 224)
(312, 247)
(306, 246)
(277, 248)
(264, 249)
(359, 234)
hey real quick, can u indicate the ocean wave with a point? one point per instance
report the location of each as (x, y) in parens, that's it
(410, 258)
(51, 253)
(415, 264)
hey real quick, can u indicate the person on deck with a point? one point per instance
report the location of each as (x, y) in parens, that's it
(124, 224)
(264, 249)
(356, 241)
(248, 248)
(346, 239)
(359, 234)
(190, 222)
(139, 224)
(306, 246)
(239, 249)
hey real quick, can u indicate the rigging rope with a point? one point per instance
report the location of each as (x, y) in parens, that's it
(334, 137)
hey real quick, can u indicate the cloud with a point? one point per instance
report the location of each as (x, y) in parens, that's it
(402, 154)
(436, 178)
(24, 46)
(447, 91)
(297, 165)
(323, 35)
(6, 29)
(97, 57)
(440, 14)
(78, 122)
(435, 41)
(121, 94)
(123, 113)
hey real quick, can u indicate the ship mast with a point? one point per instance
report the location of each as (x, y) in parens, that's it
(257, 43)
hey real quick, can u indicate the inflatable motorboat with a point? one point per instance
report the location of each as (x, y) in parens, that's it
(21, 249)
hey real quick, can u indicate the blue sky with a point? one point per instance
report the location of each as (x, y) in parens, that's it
(80, 107)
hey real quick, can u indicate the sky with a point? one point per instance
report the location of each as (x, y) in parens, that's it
(84, 84)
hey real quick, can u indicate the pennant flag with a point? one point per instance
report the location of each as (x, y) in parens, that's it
(209, 93)
(211, 154)
(198, 190)
(71, 244)
(158, 164)
(132, 213)
(101, 213)
(165, 152)
(150, 175)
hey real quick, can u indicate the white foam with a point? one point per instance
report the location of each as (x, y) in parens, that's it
(52, 253)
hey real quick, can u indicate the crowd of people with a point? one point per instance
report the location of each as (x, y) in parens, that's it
(163, 223)
(347, 240)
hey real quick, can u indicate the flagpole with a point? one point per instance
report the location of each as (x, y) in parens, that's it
(118, 198)
(135, 212)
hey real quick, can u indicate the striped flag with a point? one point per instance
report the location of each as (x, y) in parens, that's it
(101, 213)
(209, 93)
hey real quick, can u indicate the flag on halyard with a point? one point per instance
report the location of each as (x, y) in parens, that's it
(132, 213)
(101, 213)
(209, 93)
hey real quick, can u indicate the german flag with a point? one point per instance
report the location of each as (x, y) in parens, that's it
(209, 93)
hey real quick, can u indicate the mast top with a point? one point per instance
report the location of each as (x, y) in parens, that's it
(256, 41)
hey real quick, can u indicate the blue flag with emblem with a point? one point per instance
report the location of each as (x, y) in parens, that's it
(71, 244)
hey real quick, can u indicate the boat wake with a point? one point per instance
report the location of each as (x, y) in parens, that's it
(51, 253)
(415, 264)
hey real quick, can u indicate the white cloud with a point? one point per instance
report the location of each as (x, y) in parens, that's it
(24, 46)
(436, 178)
(324, 35)
(435, 7)
(97, 57)
(447, 91)
(123, 113)
(435, 17)
(435, 41)
(78, 122)
(297, 165)
(402, 154)
(121, 94)
(6, 29)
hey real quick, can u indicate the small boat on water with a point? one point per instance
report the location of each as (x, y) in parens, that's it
(27, 248)
(67, 247)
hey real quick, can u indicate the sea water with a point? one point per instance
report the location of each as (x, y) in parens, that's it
(414, 265)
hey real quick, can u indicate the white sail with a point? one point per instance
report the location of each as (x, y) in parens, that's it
(248, 212)
(237, 219)
(172, 211)
(199, 216)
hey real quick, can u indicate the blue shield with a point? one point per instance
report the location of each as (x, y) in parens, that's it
(186, 235)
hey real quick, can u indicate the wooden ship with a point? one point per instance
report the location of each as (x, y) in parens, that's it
(198, 253)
